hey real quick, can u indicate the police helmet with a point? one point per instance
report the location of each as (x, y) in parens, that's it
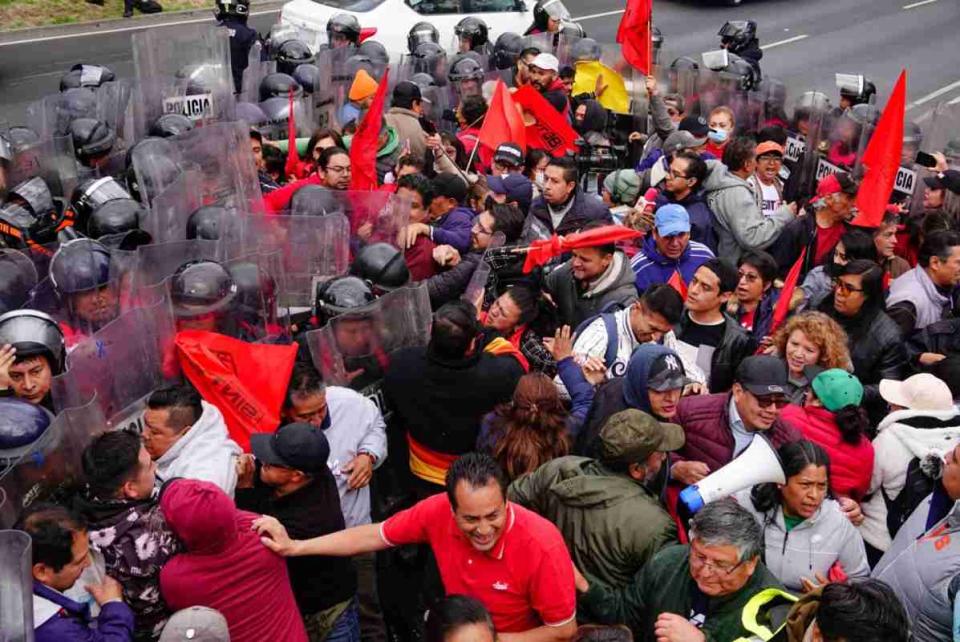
(465, 67)
(21, 425)
(91, 194)
(79, 102)
(118, 216)
(256, 288)
(34, 333)
(585, 49)
(92, 138)
(86, 76)
(232, 8)
(315, 200)
(546, 9)
(737, 34)
(204, 223)
(307, 76)
(158, 161)
(382, 266)
(278, 85)
(684, 63)
(422, 32)
(35, 194)
(473, 30)
(201, 287)
(79, 266)
(251, 113)
(339, 295)
(741, 71)
(507, 50)
(344, 25)
(18, 276)
(292, 53)
(374, 51)
(863, 114)
(199, 79)
(860, 92)
(169, 125)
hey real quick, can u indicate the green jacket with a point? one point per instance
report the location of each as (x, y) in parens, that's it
(664, 586)
(612, 524)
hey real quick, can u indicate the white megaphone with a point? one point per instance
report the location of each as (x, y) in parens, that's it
(758, 464)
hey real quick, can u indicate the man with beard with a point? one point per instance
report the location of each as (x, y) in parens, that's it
(544, 74)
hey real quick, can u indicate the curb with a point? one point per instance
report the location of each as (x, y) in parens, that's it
(53, 32)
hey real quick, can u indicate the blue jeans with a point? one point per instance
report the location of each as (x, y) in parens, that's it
(347, 626)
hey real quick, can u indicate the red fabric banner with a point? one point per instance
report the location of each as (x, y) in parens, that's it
(550, 131)
(782, 307)
(503, 123)
(634, 34)
(363, 147)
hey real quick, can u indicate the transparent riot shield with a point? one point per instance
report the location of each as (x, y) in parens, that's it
(158, 261)
(376, 217)
(51, 116)
(16, 587)
(466, 78)
(183, 69)
(254, 74)
(313, 248)
(52, 467)
(941, 135)
(478, 281)
(283, 31)
(353, 349)
(171, 208)
(431, 78)
(119, 364)
(255, 311)
(51, 159)
(277, 111)
(18, 276)
(846, 137)
(544, 42)
(156, 162)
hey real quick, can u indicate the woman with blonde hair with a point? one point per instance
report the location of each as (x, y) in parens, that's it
(809, 339)
(528, 431)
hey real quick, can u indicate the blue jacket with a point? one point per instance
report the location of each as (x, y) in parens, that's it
(453, 228)
(701, 217)
(651, 267)
(72, 622)
(763, 318)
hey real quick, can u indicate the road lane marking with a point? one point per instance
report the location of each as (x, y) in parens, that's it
(104, 32)
(918, 4)
(784, 42)
(599, 15)
(954, 101)
(934, 94)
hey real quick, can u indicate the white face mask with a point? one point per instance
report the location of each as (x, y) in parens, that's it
(539, 177)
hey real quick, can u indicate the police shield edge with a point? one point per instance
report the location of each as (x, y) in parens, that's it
(16, 585)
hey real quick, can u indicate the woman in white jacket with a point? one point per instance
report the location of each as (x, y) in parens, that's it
(924, 425)
(807, 539)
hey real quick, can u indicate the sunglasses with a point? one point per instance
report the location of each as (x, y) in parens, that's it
(845, 287)
(765, 401)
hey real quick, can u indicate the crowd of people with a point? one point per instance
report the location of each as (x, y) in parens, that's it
(508, 368)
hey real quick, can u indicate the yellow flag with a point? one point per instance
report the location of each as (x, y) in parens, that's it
(614, 96)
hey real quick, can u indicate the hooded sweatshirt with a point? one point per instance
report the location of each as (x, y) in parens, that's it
(653, 268)
(226, 567)
(740, 224)
(577, 302)
(204, 452)
(453, 228)
(902, 436)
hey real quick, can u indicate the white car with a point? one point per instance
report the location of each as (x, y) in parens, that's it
(393, 19)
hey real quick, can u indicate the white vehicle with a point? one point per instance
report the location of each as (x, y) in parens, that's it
(393, 19)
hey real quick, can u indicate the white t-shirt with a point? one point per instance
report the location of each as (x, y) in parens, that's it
(770, 200)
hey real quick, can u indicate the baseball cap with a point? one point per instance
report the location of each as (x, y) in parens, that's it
(671, 219)
(836, 389)
(920, 392)
(406, 91)
(546, 61)
(769, 147)
(632, 435)
(949, 179)
(763, 375)
(509, 153)
(836, 184)
(667, 373)
(298, 445)
(197, 623)
(449, 185)
(681, 140)
(516, 187)
(623, 185)
(696, 125)
(363, 86)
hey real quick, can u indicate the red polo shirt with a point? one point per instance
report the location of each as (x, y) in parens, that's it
(525, 580)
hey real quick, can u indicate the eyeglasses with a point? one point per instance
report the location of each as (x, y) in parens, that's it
(765, 401)
(675, 174)
(846, 288)
(749, 276)
(723, 568)
(769, 159)
(336, 169)
(479, 229)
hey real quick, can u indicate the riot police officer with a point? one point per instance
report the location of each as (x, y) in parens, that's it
(422, 32)
(86, 282)
(382, 266)
(201, 293)
(855, 90)
(92, 140)
(740, 37)
(472, 34)
(343, 30)
(32, 353)
(548, 17)
(292, 53)
(233, 14)
(21, 425)
(341, 302)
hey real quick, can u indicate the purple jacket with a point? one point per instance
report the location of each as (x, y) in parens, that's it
(453, 228)
(72, 623)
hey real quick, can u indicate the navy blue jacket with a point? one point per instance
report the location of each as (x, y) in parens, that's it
(701, 217)
(72, 623)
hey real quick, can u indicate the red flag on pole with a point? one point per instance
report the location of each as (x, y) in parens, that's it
(550, 131)
(782, 307)
(634, 34)
(882, 159)
(503, 123)
(676, 282)
(542, 250)
(363, 147)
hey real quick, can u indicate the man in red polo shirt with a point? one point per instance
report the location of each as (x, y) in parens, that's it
(506, 556)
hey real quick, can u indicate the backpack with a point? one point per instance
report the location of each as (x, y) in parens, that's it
(919, 483)
(606, 314)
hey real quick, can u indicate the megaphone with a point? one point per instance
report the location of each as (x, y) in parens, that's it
(758, 464)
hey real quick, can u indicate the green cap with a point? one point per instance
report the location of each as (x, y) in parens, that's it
(836, 389)
(632, 435)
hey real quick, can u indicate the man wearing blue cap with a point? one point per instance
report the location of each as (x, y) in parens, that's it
(668, 249)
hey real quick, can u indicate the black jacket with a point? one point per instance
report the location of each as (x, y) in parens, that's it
(242, 39)
(318, 582)
(798, 234)
(449, 285)
(735, 346)
(440, 403)
(942, 337)
(586, 208)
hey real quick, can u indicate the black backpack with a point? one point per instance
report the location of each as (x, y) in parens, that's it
(921, 479)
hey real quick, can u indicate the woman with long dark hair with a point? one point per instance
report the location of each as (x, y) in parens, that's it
(807, 539)
(528, 431)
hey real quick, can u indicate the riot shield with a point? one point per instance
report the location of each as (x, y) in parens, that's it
(354, 348)
(277, 111)
(478, 281)
(16, 587)
(171, 208)
(941, 134)
(431, 79)
(183, 69)
(312, 248)
(156, 163)
(255, 72)
(18, 276)
(118, 365)
(255, 313)
(543, 42)
(619, 86)
(51, 159)
(846, 138)
(52, 467)
(51, 116)
(376, 217)
(158, 261)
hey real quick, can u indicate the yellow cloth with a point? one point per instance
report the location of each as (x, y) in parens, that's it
(363, 86)
(615, 97)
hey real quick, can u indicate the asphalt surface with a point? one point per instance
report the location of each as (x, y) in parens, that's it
(805, 41)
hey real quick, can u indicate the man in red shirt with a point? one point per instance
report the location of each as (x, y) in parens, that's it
(511, 559)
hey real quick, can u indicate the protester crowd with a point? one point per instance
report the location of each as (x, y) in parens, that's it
(392, 378)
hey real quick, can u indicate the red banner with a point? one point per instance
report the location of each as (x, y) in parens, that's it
(549, 130)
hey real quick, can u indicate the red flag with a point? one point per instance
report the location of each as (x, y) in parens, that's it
(246, 381)
(676, 282)
(363, 147)
(550, 131)
(501, 124)
(542, 250)
(782, 307)
(294, 166)
(882, 159)
(634, 34)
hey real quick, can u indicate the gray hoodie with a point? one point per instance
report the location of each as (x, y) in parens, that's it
(204, 452)
(811, 547)
(740, 224)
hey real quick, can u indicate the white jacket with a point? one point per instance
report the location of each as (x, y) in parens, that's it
(205, 452)
(903, 435)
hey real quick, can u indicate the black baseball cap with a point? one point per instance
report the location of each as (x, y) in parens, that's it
(949, 179)
(299, 446)
(667, 373)
(763, 375)
(406, 91)
(449, 185)
(509, 154)
(696, 125)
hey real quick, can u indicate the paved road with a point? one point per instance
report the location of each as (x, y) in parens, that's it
(806, 41)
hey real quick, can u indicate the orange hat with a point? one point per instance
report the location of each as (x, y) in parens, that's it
(363, 86)
(768, 147)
